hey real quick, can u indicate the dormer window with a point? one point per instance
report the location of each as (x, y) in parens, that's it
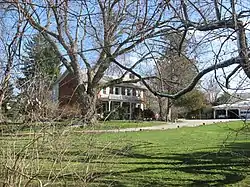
(131, 76)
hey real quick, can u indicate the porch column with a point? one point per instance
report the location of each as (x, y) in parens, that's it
(130, 110)
(109, 106)
(142, 106)
(214, 114)
(121, 104)
(226, 113)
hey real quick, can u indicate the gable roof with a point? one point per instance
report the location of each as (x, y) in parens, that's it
(239, 104)
(104, 79)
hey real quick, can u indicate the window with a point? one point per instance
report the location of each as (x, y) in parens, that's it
(104, 90)
(138, 93)
(134, 92)
(123, 91)
(111, 90)
(117, 91)
(131, 76)
(128, 91)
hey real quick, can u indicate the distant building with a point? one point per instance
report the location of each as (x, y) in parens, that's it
(126, 95)
(237, 107)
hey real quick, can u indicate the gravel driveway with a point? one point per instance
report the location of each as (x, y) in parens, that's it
(184, 123)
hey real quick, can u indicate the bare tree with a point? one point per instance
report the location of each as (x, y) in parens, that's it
(10, 39)
(96, 33)
(212, 90)
(114, 27)
(174, 72)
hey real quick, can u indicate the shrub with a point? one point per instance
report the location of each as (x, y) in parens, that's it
(69, 112)
(117, 114)
(137, 115)
(122, 113)
(148, 114)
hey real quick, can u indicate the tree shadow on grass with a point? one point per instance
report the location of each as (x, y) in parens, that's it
(228, 166)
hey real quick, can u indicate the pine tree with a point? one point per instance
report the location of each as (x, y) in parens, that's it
(40, 69)
(41, 61)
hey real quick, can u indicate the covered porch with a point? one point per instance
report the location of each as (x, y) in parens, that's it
(226, 113)
(240, 109)
(128, 108)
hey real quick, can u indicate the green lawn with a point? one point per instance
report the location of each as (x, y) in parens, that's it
(102, 125)
(213, 155)
(118, 124)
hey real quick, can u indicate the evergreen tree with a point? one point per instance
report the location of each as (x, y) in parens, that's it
(40, 69)
(41, 61)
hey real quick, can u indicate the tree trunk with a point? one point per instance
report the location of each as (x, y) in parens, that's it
(88, 110)
(160, 108)
(169, 110)
(88, 102)
(243, 48)
(1, 103)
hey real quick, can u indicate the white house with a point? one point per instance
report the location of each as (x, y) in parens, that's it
(126, 95)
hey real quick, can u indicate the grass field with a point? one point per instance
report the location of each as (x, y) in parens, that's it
(116, 124)
(213, 155)
(102, 125)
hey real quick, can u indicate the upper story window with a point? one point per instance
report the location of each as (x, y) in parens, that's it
(117, 90)
(129, 92)
(111, 90)
(104, 90)
(123, 91)
(134, 92)
(138, 93)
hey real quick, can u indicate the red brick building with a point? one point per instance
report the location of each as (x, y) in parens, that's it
(129, 96)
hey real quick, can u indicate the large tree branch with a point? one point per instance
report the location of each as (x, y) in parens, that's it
(74, 62)
(243, 48)
(231, 74)
(193, 82)
(33, 23)
(65, 62)
(199, 76)
(217, 11)
(120, 81)
(199, 11)
(212, 25)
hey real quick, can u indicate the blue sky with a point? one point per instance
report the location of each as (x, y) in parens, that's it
(204, 54)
